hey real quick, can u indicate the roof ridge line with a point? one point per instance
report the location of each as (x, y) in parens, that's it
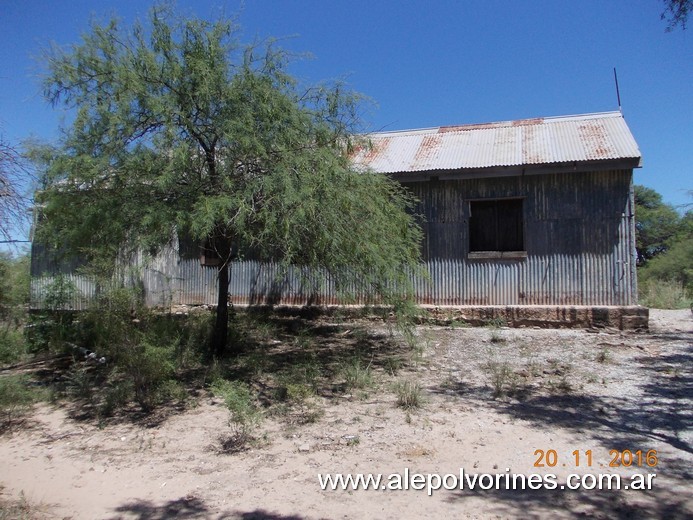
(496, 124)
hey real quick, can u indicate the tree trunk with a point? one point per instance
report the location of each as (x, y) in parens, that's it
(221, 325)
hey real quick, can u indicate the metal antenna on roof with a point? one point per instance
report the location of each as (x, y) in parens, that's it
(618, 94)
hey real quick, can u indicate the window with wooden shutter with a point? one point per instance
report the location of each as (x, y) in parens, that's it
(496, 225)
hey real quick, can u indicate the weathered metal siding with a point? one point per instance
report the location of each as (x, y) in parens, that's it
(45, 267)
(579, 239)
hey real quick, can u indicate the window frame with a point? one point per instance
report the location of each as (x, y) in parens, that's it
(491, 253)
(208, 256)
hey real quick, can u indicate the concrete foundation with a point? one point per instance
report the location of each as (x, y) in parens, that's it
(622, 317)
(544, 316)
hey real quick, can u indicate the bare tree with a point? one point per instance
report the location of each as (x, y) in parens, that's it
(676, 13)
(14, 204)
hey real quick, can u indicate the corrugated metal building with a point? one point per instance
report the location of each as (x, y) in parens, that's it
(529, 212)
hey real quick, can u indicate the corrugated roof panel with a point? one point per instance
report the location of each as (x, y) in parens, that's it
(587, 137)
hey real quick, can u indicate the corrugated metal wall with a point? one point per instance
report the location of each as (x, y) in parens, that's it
(579, 238)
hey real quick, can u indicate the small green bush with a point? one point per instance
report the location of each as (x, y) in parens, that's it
(60, 293)
(409, 394)
(459, 324)
(497, 337)
(116, 396)
(406, 313)
(503, 379)
(16, 397)
(357, 375)
(300, 381)
(172, 391)
(603, 356)
(13, 346)
(496, 322)
(142, 349)
(240, 401)
(147, 366)
(393, 364)
(295, 392)
(664, 294)
(80, 383)
(49, 332)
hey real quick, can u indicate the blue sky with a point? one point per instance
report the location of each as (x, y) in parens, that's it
(428, 63)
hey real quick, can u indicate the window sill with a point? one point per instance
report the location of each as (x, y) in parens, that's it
(495, 255)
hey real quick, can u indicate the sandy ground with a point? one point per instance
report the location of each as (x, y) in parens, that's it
(565, 390)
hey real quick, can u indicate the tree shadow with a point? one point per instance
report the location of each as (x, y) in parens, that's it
(298, 341)
(261, 514)
(556, 503)
(659, 412)
(188, 508)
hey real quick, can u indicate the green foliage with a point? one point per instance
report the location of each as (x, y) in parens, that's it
(144, 349)
(60, 293)
(136, 354)
(357, 374)
(503, 379)
(656, 223)
(171, 390)
(664, 294)
(406, 313)
(53, 330)
(393, 364)
(147, 366)
(180, 128)
(459, 324)
(13, 345)
(603, 356)
(409, 394)
(674, 266)
(116, 396)
(14, 285)
(496, 323)
(15, 398)
(497, 337)
(665, 251)
(300, 380)
(14, 298)
(239, 399)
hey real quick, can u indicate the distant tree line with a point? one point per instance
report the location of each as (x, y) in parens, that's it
(664, 240)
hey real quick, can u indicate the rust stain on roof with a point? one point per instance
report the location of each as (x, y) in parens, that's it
(428, 148)
(595, 140)
(530, 151)
(487, 126)
(586, 137)
(462, 128)
(378, 147)
(528, 122)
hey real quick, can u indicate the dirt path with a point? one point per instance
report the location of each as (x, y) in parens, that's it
(493, 397)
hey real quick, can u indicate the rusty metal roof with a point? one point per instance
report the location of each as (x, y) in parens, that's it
(566, 139)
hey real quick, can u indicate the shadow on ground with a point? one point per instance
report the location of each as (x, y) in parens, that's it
(189, 508)
(661, 411)
(604, 504)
